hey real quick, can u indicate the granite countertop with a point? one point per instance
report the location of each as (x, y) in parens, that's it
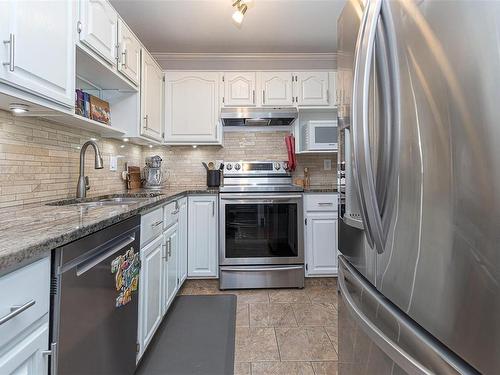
(29, 233)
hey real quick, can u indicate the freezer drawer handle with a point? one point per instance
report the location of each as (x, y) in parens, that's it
(395, 352)
(87, 265)
(15, 311)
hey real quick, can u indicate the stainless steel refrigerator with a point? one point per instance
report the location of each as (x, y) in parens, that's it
(419, 178)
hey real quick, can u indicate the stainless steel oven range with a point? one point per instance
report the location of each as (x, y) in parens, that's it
(261, 227)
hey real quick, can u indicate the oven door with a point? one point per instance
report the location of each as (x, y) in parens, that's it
(261, 228)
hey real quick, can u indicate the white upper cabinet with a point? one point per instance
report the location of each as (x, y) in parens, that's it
(129, 59)
(151, 98)
(239, 89)
(38, 53)
(98, 28)
(192, 108)
(312, 88)
(277, 88)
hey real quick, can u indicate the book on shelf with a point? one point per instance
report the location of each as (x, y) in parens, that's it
(92, 107)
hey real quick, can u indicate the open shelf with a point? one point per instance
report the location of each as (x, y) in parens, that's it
(102, 76)
(80, 122)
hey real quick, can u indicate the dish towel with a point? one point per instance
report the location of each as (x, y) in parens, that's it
(290, 147)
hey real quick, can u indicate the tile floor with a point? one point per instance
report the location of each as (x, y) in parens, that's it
(282, 331)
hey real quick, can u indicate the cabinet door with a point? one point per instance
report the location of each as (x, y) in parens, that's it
(183, 231)
(98, 28)
(151, 98)
(129, 60)
(26, 357)
(239, 89)
(321, 244)
(150, 297)
(277, 88)
(171, 248)
(191, 107)
(38, 52)
(332, 89)
(202, 237)
(311, 88)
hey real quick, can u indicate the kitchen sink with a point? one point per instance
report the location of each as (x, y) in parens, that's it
(106, 200)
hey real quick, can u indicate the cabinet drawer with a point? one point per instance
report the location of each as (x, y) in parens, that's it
(151, 225)
(170, 214)
(321, 202)
(26, 290)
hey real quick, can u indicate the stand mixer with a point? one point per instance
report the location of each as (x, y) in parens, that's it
(152, 173)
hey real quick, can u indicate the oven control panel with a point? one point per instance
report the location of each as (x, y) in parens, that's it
(264, 168)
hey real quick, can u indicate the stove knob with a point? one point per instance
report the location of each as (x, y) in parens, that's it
(277, 166)
(237, 167)
(229, 166)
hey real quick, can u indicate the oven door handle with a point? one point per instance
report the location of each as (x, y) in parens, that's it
(268, 198)
(229, 269)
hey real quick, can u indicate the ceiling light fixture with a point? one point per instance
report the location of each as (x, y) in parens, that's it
(18, 108)
(240, 11)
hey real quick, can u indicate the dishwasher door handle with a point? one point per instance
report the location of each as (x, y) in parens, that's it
(92, 262)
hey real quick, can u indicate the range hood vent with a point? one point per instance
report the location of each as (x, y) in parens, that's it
(258, 116)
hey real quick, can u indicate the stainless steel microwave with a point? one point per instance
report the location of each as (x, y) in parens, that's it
(319, 135)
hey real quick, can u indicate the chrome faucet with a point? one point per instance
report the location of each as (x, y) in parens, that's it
(83, 181)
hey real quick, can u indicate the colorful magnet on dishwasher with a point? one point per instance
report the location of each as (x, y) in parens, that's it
(127, 268)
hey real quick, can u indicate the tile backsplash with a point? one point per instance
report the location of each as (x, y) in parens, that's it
(39, 160)
(182, 164)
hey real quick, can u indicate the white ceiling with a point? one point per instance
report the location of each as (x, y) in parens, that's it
(205, 26)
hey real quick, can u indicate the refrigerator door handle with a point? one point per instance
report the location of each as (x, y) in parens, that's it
(364, 174)
(388, 154)
(356, 88)
(388, 346)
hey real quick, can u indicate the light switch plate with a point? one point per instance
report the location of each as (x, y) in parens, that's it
(327, 165)
(113, 163)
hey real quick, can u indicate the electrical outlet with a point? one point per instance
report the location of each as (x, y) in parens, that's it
(327, 165)
(113, 163)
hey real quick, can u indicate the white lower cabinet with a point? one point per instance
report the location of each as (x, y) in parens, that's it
(203, 236)
(183, 240)
(150, 291)
(321, 234)
(24, 337)
(170, 252)
(27, 357)
(321, 244)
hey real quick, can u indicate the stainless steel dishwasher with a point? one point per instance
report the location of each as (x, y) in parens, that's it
(94, 302)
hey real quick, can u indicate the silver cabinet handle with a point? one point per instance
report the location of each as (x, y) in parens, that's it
(325, 204)
(155, 224)
(264, 96)
(253, 96)
(169, 242)
(213, 208)
(164, 246)
(146, 121)
(393, 350)
(15, 311)
(12, 45)
(124, 59)
(52, 353)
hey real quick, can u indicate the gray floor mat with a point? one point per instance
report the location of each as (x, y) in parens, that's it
(197, 337)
